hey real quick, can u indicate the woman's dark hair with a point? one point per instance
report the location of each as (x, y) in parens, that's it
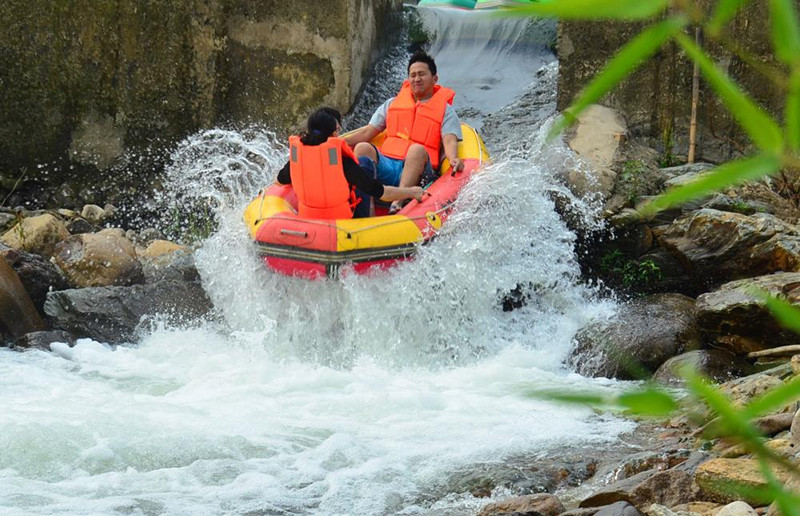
(321, 124)
(420, 56)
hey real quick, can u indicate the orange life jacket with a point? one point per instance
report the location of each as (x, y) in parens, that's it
(409, 121)
(318, 179)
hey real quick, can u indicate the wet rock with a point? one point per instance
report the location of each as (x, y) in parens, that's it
(741, 391)
(795, 429)
(6, 221)
(701, 508)
(38, 275)
(717, 246)
(734, 318)
(39, 234)
(43, 339)
(596, 138)
(17, 312)
(729, 480)
(619, 509)
(669, 488)
(94, 214)
(165, 260)
(641, 337)
(717, 364)
(98, 259)
(113, 314)
(543, 504)
(78, 226)
(684, 174)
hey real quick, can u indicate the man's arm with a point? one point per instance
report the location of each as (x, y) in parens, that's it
(450, 143)
(362, 134)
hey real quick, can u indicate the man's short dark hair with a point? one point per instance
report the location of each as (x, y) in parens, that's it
(422, 57)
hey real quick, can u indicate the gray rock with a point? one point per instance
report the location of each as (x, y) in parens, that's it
(79, 226)
(542, 504)
(37, 274)
(669, 488)
(43, 339)
(734, 318)
(738, 508)
(619, 509)
(691, 170)
(641, 337)
(717, 364)
(113, 314)
(717, 246)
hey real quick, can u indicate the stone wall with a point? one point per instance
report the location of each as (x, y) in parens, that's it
(656, 99)
(82, 81)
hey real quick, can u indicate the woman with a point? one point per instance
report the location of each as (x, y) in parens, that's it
(328, 181)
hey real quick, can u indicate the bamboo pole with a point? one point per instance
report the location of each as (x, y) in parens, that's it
(695, 99)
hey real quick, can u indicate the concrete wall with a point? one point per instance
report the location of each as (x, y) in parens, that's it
(656, 99)
(82, 81)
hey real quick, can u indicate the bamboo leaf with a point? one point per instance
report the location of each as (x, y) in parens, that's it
(786, 314)
(734, 422)
(774, 399)
(785, 31)
(761, 128)
(620, 66)
(648, 402)
(725, 11)
(793, 111)
(593, 9)
(729, 174)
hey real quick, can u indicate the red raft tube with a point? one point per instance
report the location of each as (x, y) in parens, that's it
(319, 248)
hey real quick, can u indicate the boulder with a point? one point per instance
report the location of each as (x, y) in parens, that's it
(735, 318)
(165, 260)
(717, 364)
(619, 509)
(717, 246)
(94, 214)
(669, 487)
(596, 138)
(39, 234)
(113, 314)
(42, 340)
(17, 312)
(98, 259)
(743, 390)
(729, 480)
(642, 336)
(795, 429)
(38, 275)
(542, 504)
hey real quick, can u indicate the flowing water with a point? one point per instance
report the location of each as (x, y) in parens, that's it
(378, 394)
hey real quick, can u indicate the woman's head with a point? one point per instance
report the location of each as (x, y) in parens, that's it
(321, 125)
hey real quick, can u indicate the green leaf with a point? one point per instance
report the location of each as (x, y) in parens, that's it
(785, 31)
(761, 128)
(620, 66)
(774, 399)
(793, 111)
(786, 313)
(732, 420)
(725, 11)
(594, 9)
(571, 398)
(648, 402)
(729, 174)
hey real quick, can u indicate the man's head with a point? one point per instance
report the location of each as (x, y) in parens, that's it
(422, 75)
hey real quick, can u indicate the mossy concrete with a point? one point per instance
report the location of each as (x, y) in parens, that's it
(657, 98)
(85, 82)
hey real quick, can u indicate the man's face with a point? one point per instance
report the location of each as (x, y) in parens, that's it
(422, 80)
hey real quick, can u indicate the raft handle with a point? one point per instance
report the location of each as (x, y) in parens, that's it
(301, 234)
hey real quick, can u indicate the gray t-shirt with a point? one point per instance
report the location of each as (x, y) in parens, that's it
(450, 125)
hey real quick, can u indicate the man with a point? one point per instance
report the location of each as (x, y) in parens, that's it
(421, 128)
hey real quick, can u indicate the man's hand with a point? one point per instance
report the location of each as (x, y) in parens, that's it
(417, 192)
(457, 164)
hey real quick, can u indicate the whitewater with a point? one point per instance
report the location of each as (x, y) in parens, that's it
(388, 393)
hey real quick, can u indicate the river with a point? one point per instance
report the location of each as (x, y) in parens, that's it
(399, 392)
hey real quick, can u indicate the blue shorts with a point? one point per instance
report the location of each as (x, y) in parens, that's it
(390, 169)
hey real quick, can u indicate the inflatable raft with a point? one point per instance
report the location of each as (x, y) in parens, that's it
(317, 248)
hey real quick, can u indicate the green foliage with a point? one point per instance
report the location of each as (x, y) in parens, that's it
(668, 159)
(637, 275)
(190, 224)
(632, 172)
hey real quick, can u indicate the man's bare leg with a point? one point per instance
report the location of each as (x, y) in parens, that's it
(414, 164)
(366, 149)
